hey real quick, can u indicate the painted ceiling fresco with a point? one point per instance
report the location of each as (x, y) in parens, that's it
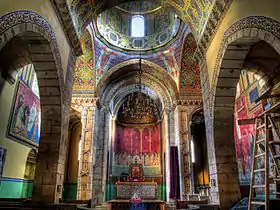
(115, 27)
(193, 12)
(84, 73)
(169, 58)
(190, 73)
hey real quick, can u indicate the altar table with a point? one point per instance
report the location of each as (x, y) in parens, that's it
(125, 204)
(145, 190)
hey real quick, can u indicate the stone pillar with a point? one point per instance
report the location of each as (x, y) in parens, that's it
(167, 156)
(208, 117)
(185, 153)
(106, 149)
(85, 170)
(178, 143)
(170, 141)
(49, 175)
(99, 164)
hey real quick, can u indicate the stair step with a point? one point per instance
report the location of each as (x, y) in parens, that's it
(260, 140)
(257, 203)
(261, 126)
(277, 156)
(259, 186)
(259, 170)
(275, 142)
(259, 155)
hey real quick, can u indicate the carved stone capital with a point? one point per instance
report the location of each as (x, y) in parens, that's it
(81, 103)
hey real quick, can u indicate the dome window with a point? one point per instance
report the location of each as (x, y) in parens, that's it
(137, 26)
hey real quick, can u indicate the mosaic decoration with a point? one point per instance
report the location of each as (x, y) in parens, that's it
(136, 143)
(190, 74)
(194, 13)
(170, 63)
(84, 74)
(114, 26)
(103, 60)
(168, 59)
(25, 117)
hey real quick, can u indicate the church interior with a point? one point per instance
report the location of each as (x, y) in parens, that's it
(141, 104)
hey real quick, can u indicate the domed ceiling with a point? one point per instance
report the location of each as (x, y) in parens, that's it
(193, 13)
(115, 26)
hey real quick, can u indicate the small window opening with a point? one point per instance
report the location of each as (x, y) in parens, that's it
(138, 26)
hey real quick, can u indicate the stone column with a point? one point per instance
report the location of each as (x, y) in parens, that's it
(170, 141)
(208, 117)
(167, 156)
(87, 108)
(99, 164)
(178, 144)
(49, 176)
(85, 170)
(106, 149)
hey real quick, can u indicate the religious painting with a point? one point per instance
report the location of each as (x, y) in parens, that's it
(24, 123)
(136, 145)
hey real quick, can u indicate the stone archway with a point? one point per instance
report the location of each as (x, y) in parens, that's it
(219, 108)
(42, 51)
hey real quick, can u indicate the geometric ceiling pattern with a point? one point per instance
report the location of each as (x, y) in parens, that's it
(193, 12)
(169, 58)
(85, 71)
(190, 73)
(176, 57)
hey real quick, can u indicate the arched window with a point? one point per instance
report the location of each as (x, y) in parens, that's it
(137, 26)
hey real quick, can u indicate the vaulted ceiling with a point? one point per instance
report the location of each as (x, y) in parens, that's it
(194, 13)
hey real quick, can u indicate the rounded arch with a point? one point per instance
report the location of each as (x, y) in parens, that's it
(43, 53)
(151, 73)
(237, 45)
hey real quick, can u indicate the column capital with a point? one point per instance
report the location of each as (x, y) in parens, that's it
(189, 102)
(84, 103)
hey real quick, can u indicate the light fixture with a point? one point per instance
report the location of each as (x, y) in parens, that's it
(139, 105)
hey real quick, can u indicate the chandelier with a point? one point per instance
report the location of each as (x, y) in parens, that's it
(139, 106)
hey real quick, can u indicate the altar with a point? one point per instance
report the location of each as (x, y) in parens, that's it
(145, 190)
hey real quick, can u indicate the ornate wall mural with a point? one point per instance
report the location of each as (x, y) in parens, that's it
(104, 56)
(244, 135)
(25, 116)
(136, 143)
(170, 63)
(84, 74)
(190, 74)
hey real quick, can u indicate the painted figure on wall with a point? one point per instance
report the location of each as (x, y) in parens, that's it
(103, 62)
(170, 63)
(25, 117)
